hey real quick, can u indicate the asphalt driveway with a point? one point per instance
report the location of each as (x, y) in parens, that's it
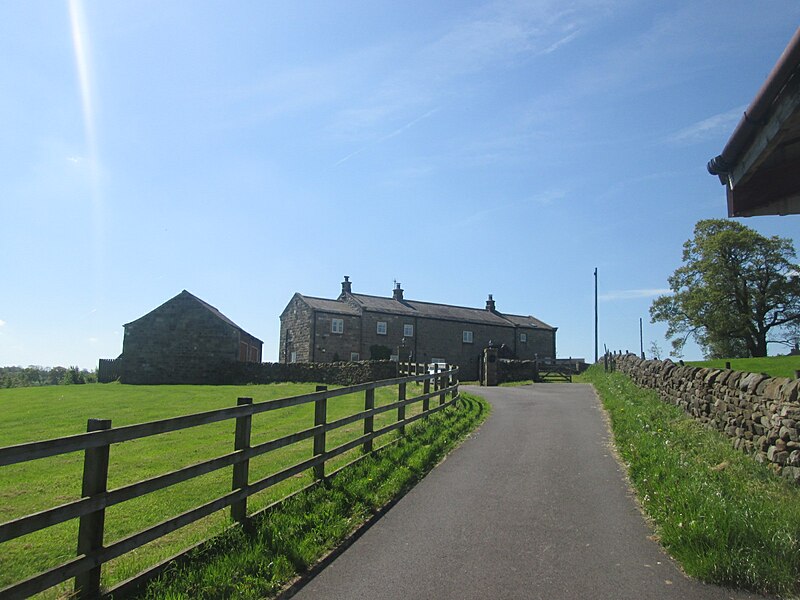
(533, 505)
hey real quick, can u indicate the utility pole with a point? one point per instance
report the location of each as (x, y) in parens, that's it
(595, 314)
(641, 339)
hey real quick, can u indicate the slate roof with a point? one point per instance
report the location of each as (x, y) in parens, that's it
(331, 306)
(205, 305)
(528, 321)
(431, 310)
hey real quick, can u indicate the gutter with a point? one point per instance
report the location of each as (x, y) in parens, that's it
(755, 115)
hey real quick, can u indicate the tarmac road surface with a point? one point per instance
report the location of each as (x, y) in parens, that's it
(533, 505)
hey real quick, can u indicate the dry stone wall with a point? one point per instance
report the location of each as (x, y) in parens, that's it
(243, 373)
(760, 414)
(336, 373)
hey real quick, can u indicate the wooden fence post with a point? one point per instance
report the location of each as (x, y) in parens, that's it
(320, 418)
(426, 389)
(241, 471)
(401, 410)
(442, 386)
(369, 404)
(90, 530)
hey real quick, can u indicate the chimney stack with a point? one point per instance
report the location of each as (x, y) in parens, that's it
(397, 294)
(490, 304)
(346, 285)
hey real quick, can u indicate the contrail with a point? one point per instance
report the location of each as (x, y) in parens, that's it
(395, 133)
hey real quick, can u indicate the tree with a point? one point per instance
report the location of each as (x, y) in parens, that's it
(655, 351)
(736, 292)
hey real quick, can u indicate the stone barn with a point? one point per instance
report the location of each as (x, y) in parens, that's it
(185, 340)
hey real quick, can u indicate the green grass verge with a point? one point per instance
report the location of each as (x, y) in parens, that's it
(774, 366)
(304, 528)
(725, 518)
(30, 414)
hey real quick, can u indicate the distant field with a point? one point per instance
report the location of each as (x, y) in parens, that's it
(775, 366)
(29, 414)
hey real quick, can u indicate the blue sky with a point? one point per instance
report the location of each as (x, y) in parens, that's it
(246, 151)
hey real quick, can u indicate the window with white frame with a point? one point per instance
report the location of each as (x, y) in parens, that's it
(466, 337)
(523, 337)
(337, 325)
(408, 330)
(293, 357)
(381, 329)
(354, 356)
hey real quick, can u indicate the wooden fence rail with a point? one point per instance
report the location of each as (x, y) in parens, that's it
(100, 435)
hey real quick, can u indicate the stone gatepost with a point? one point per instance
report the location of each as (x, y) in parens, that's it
(490, 367)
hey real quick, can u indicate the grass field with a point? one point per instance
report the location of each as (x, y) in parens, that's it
(300, 531)
(775, 366)
(30, 414)
(724, 517)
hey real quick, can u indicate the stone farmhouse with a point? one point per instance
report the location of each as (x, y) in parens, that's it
(185, 340)
(361, 327)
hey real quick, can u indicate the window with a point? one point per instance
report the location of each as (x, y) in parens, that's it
(381, 330)
(337, 325)
(408, 330)
(354, 356)
(523, 337)
(293, 357)
(394, 358)
(466, 337)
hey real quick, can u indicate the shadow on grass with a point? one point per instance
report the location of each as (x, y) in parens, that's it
(286, 545)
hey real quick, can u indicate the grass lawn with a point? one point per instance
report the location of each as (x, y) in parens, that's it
(30, 414)
(774, 366)
(724, 517)
(303, 529)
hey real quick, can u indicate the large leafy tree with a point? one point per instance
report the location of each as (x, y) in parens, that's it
(736, 292)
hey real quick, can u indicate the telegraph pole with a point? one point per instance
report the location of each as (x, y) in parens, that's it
(641, 339)
(595, 314)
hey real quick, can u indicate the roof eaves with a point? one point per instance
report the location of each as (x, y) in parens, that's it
(756, 112)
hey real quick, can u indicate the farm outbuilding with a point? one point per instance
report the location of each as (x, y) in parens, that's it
(185, 340)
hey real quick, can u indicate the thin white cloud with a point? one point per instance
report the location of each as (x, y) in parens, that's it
(547, 197)
(408, 125)
(556, 45)
(497, 35)
(388, 136)
(714, 126)
(2, 323)
(633, 294)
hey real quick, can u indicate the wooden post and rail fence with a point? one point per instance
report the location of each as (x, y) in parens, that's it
(92, 552)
